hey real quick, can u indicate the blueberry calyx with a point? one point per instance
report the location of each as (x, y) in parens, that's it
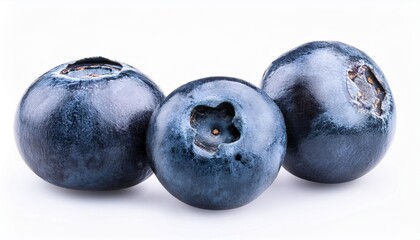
(365, 89)
(92, 67)
(214, 126)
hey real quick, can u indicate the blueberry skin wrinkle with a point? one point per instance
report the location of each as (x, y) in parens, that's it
(338, 108)
(216, 143)
(83, 124)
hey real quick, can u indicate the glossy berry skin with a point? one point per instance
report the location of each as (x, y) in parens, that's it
(216, 143)
(338, 108)
(83, 124)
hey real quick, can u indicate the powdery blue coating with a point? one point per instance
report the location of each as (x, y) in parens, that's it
(335, 134)
(238, 170)
(87, 132)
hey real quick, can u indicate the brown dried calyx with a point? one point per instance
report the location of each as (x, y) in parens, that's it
(370, 93)
(91, 67)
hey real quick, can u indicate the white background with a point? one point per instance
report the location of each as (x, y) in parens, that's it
(174, 42)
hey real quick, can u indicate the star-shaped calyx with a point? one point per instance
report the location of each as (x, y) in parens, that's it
(214, 126)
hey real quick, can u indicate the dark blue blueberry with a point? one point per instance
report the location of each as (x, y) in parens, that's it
(216, 143)
(338, 108)
(83, 125)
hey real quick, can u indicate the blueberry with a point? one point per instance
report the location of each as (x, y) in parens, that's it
(216, 143)
(82, 125)
(338, 108)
